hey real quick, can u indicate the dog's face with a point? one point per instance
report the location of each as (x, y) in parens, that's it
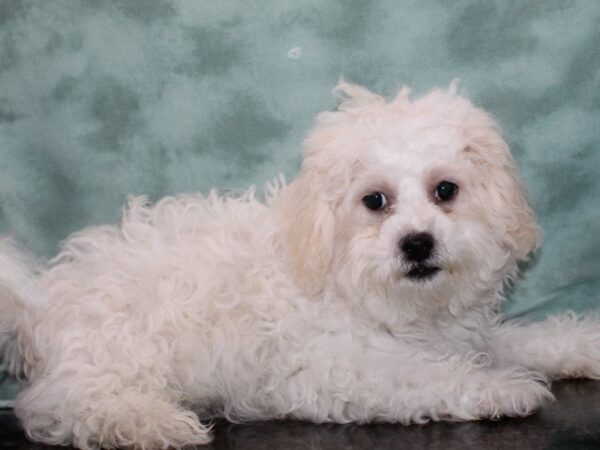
(407, 203)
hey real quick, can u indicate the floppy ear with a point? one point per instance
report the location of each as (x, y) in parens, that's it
(308, 228)
(501, 193)
(306, 205)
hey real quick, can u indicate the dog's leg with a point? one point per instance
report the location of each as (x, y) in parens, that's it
(412, 390)
(96, 415)
(563, 346)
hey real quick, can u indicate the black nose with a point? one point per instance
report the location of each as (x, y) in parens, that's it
(417, 247)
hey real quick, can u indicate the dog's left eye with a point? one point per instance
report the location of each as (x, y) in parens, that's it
(375, 201)
(445, 191)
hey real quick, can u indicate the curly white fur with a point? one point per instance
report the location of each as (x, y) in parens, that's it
(300, 306)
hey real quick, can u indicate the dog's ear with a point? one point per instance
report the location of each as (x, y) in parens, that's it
(308, 229)
(499, 190)
(307, 205)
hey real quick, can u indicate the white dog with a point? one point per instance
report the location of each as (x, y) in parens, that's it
(366, 290)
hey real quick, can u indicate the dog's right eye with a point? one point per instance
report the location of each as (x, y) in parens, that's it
(375, 201)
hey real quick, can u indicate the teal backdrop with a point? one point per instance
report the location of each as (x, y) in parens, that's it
(102, 99)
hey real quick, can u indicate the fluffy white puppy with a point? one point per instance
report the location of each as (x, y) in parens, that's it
(366, 290)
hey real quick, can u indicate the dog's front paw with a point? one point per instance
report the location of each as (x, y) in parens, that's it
(577, 355)
(583, 361)
(509, 396)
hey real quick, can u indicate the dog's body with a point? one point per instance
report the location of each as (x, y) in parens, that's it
(366, 290)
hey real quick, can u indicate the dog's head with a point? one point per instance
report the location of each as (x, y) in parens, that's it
(407, 201)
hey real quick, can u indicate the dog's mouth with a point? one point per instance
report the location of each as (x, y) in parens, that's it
(422, 272)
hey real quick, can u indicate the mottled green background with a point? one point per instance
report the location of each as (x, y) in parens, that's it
(101, 99)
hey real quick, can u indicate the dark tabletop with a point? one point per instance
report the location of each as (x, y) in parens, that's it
(572, 422)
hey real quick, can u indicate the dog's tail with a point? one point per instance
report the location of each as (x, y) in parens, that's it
(20, 303)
